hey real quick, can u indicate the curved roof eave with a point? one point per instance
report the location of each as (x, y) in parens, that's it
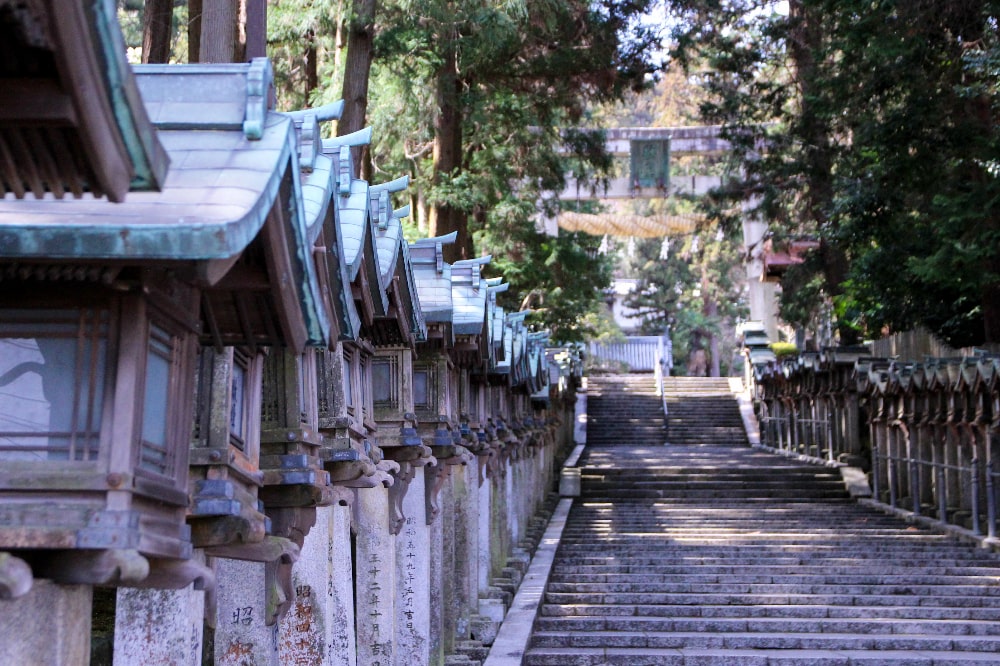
(202, 212)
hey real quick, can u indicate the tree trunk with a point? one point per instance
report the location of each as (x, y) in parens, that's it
(256, 29)
(219, 21)
(805, 40)
(357, 70)
(312, 67)
(194, 30)
(157, 17)
(446, 218)
(715, 366)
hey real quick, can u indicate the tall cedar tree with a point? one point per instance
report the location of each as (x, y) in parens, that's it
(870, 127)
(554, 57)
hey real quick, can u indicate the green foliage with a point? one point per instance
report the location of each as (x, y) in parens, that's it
(870, 127)
(784, 349)
(526, 72)
(560, 277)
(691, 285)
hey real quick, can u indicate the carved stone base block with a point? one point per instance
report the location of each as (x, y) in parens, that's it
(159, 626)
(242, 635)
(48, 625)
(485, 543)
(412, 580)
(304, 632)
(374, 582)
(343, 640)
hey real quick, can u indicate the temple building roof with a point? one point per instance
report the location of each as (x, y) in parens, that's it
(469, 291)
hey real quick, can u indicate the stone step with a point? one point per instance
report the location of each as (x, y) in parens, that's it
(766, 641)
(733, 589)
(641, 560)
(772, 578)
(600, 656)
(724, 554)
(753, 599)
(763, 611)
(705, 551)
(583, 572)
(696, 496)
(870, 624)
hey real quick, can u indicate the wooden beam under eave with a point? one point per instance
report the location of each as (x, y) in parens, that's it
(281, 274)
(79, 65)
(36, 101)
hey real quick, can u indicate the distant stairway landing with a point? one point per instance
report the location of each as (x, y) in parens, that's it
(624, 410)
(702, 411)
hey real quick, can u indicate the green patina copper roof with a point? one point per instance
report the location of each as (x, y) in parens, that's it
(227, 165)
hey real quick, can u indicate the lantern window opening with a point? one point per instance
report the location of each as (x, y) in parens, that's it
(424, 389)
(156, 455)
(305, 370)
(385, 382)
(239, 400)
(366, 382)
(349, 382)
(53, 368)
(464, 404)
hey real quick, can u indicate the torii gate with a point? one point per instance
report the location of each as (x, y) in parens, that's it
(649, 150)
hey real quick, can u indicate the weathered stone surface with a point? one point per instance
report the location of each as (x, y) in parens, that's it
(413, 588)
(241, 633)
(28, 626)
(159, 626)
(375, 584)
(304, 635)
(343, 641)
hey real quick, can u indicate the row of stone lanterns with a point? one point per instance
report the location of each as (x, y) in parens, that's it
(239, 377)
(927, 432)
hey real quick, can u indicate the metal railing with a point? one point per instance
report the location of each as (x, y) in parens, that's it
(962, 493)
(638, 353)
(927, 434)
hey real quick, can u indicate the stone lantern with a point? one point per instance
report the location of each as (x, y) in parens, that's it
(97, 383)
(108, 304)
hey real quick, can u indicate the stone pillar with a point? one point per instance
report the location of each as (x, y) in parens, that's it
(485, 566)
(762, 295)
(242, 635)
(512, 503)
(500, 536)
(466, 512)
(436, 578)
(159, 626)
(449, 615)
(490, 606)
(305, 634)
(375, 581)
(413, 589)
(48, 625)
(341, 632)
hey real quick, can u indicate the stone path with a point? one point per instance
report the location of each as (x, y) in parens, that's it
(713, 552)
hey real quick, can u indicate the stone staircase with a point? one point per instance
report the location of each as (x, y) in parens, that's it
(717, 553)
(701, 410)
(624, 410)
